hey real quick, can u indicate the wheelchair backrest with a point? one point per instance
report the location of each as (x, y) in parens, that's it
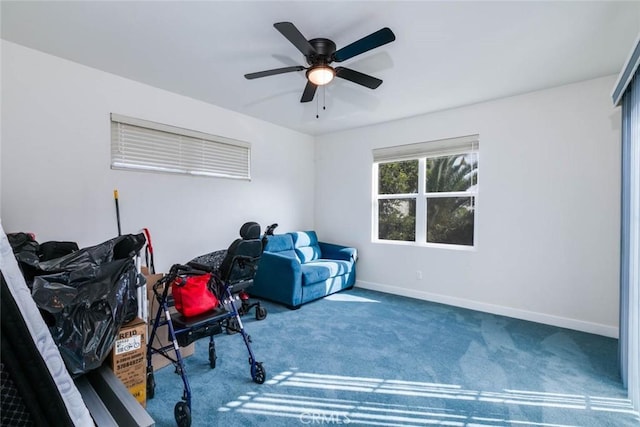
(243, 255)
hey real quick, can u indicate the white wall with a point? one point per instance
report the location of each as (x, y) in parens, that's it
(548, 209)
(56, 176)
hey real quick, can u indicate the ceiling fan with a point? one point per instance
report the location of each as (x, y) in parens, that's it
(321, 52)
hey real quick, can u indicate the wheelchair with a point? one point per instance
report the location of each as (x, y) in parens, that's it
(213, 261)
(232, 275)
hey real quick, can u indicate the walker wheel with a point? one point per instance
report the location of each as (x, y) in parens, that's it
(151, 385)
(257, 373)
(182, 414)
(261, 313)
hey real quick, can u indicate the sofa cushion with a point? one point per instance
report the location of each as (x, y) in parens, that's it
(314, 272)
(306, 245)
(320, 270)
(282, 244)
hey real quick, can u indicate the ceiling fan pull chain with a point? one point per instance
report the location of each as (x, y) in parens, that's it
(324, 104)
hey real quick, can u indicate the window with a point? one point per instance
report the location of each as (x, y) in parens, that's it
(142, 145)
(426, 193)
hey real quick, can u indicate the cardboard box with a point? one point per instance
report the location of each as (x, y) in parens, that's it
(151, 279)
(128, 358)
(162, 334)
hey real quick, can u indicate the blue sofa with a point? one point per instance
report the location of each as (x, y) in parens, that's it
(296, 268)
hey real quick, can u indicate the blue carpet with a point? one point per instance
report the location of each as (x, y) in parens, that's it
(368, 358)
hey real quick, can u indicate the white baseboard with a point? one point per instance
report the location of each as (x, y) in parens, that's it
(547, 319)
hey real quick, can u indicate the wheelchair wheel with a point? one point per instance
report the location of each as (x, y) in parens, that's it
(261, 313)
(258, 373)
(182, 414)
(151, 385)
(212, 356)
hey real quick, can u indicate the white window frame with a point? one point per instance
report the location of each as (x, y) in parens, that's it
(142, 145)
(422, 151)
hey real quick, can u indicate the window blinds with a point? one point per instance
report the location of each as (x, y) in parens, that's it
(440, 147)
(629, 342)
(143, 145)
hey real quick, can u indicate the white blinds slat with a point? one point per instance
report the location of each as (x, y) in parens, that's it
(169, 149)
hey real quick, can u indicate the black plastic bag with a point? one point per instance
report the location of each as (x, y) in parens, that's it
(26, 250)
(53, 250)
(86, 297)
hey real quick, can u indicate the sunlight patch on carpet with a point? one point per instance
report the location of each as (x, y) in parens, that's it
(298, 401)
(343, 297)
(331, 411)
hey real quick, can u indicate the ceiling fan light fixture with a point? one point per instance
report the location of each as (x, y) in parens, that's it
(321, 74)
(320, 52)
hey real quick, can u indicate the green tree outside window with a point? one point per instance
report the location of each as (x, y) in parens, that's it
(450, 184)
(450, 219)
(397, 217)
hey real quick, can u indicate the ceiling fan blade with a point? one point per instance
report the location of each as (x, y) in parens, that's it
(309, 92)
(358, 77)
(295, 37)
(273, 72)
(372, 41)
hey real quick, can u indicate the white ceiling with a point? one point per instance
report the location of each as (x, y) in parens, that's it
(446, 54)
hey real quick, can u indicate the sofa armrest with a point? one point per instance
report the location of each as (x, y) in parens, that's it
(333, 251)
(278, 278)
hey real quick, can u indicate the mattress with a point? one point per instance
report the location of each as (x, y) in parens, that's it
(39, 357)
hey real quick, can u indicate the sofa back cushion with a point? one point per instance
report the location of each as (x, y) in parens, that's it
(306, 245)
(281, 244)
